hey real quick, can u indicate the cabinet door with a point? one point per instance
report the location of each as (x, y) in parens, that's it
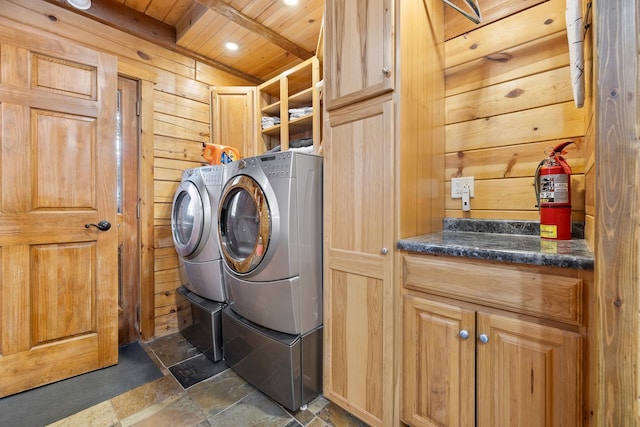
(359, 291)
(438, 364)
(528, 374)
(359, 50)
(233, 113)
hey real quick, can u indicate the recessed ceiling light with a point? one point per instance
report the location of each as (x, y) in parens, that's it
(231, 46)
(80, 4)
(291, 2)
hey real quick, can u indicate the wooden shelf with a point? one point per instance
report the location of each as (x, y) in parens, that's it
(301, 123)
(295, 88)
(301, 99)
(272, 131)
(272, 110)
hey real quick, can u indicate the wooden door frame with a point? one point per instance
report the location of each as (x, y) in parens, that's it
(617, 221)
(147, 80)
(128, 218)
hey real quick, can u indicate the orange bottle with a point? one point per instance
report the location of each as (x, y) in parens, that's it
(216, 154)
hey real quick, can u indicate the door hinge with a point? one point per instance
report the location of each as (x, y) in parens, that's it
(138, 209)
(137, 108)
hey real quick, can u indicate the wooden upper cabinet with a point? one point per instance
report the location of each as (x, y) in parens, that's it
(359, 50)
(233, 118)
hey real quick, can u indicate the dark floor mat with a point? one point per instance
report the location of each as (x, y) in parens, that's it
(196, 369)
(50, 403)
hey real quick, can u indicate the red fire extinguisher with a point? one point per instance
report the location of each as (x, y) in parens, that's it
(553, 193)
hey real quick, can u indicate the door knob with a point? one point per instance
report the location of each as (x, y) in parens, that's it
(484, 338)
(464, 334)
(384, 251)
(102, 225)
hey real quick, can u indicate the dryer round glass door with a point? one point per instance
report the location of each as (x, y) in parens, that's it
(189, 219)
(244, 224)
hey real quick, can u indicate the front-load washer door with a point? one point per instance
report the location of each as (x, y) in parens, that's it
(244, 224)
(190, 218)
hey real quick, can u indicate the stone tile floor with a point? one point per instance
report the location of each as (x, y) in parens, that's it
(195, 391)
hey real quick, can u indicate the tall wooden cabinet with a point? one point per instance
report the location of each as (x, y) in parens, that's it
(359, 297)
(379, 137)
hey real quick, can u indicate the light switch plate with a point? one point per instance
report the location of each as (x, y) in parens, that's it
(458, 184)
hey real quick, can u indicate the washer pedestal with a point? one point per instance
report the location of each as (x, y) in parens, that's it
(203, 328)
(287, 368)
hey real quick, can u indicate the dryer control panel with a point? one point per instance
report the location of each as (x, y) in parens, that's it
(276, 165)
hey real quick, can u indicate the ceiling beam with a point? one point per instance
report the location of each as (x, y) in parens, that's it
(130, 21)
(222, 8)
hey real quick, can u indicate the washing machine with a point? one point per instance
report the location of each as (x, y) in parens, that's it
(194, 231)
(270, 234)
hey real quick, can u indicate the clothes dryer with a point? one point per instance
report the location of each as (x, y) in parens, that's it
(270, 233)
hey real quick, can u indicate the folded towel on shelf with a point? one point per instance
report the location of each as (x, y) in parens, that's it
(300, 142)
(308, 150)
(296, 113)
(304, 145)
(269, 121)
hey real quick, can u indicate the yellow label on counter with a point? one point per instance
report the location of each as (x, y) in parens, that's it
(548, 231)
(549, 246)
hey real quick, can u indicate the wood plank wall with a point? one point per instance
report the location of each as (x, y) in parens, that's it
(508, 97)
(181, 102)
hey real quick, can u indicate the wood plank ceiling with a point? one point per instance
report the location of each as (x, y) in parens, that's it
(272, 37)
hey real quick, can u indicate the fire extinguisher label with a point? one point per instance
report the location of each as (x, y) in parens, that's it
(554, 188)
(548, 231)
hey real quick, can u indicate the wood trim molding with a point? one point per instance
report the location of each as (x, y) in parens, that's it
(147, 280)
(617, 229)
(146, 194)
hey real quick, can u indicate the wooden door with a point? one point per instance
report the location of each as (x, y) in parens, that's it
(359, 293)
(438, 364)
(359, 50)
(528, 375)
(233, 118)
(58, 279)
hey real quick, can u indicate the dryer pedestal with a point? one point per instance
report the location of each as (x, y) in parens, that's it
(203, 328)
(287, 368)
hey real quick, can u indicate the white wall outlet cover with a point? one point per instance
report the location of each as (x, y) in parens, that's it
(459, 184)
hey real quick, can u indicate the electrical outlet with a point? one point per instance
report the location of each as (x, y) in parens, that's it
(459, 184)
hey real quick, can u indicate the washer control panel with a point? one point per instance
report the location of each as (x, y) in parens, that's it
(212, 175)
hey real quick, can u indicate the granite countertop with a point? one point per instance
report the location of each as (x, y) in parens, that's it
(509, 241)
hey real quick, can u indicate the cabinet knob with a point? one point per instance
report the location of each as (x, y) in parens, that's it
(384, 251)
(484, 338)
(464, 334)
(386, 71)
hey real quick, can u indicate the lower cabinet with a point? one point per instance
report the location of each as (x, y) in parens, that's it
(465, 364)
